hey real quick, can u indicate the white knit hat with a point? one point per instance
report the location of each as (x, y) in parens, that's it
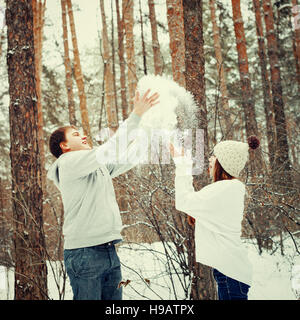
(233, 155)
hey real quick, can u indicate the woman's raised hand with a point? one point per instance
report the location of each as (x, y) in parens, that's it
(144, 103)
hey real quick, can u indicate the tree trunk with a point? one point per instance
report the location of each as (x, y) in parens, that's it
(282, 161)
(111, 110)
(68, 68)
(296, 40)
(176, 32)
(128, 20)
(268, 105)
(227, 116)
(256, 163)
(143, 40)
(27, 195)
(112, 41)
(203, 286)
(79, 78)
(158, 63)
(38, 23)
(122, 62)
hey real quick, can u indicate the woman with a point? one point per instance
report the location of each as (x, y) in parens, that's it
(218, 212)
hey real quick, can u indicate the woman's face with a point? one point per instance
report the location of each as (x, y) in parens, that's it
(212, 161)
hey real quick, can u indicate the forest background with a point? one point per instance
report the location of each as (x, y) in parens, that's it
(239, 59)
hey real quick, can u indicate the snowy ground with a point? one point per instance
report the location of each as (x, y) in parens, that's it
(146, 268)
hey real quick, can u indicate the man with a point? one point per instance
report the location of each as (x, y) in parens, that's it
(92, 221)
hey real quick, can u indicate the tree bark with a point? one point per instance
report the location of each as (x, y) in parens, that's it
(296, 40)
(68, 68)
(227, 117)
(256, 162)
(176, 32)
(79, 77)
(127, 6)
(143, 40)
(203, 286)
(111, 110)
(122, 62)
(38, 24)
(267, 96)
(157, 58)
(282, 161)
(27, 194)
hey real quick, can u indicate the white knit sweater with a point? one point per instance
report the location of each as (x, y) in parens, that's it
(218, 209)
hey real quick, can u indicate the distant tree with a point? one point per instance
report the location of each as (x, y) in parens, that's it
(79, 77)
(109, 84)
(123, 87)
(282, 162)
(128, 19)
(68, 67)
(157, 58)
(227, 118)
(247, 96)
(267, 95)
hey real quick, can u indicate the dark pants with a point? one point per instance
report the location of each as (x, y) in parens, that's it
(230, 289)
(94, 272)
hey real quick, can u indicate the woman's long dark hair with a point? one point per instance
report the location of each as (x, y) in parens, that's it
(220, 173)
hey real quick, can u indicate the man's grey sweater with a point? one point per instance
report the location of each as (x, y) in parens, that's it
(84, 178)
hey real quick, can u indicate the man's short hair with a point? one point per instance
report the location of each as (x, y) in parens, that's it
(56, 138)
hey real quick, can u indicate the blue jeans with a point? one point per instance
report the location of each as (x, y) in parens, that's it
(230, 289)
(94, 272)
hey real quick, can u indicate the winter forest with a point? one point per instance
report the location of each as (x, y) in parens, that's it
(80, 62)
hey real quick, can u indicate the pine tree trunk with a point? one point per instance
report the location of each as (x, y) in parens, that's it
(122, 63)
(203, 286)
(256, 163)
(228, 119)
(112, 41)
(79, 78)
(27, 194)
(68, 68)
(158, 63)
(111, 110)
(143, 40)
(176, 32)
(282, 161)
(38, 24)
(268, 105)
(128, 19)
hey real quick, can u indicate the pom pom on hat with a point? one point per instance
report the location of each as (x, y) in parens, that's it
(253, 142)
(233, 155)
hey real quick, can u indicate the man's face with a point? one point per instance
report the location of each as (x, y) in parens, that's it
(74, 141)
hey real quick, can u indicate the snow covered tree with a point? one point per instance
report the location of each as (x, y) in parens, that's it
(26, 171)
